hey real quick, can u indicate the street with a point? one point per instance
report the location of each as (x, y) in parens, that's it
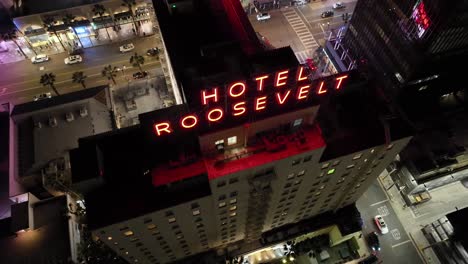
(20, 80)
(396, 245)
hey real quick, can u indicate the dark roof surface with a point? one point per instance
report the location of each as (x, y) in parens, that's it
(458, 220)
(57, 100)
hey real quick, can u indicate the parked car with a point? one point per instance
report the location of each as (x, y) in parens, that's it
(338, 5)
(39, 58)
(328, 13)
(373, 241)
(73, 59)
(139, 75)
(379, 221)
(126, 47)
(369, 260)
(263, 16)
(152, 52)
(42, 96)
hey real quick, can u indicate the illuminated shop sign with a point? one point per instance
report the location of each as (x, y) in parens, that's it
(252, 97)
(421, 18)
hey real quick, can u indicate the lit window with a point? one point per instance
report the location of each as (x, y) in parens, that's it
(291, 175)
(302, 172)
(219, 142)
(358, 156)
(331, 171)
(390, 146)
(325, 165)
(109, 238)
(233, 214)
(128, 233)
(151, 226)
(372, 151)
(336, 162)
(297, 122)
(171, 219)
(221, 204)
(196, 212)
(322, 187)
(232, 140)
(232, 208)
(233, 201)
(350, 166)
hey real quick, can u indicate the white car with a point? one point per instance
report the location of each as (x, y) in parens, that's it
(126, 47)
(39, 58)
(42, 96)
(73, 59)
(263, 16)
(379, 221)
(338, 5)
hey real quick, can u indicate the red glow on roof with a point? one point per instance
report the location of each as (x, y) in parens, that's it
(166, 174)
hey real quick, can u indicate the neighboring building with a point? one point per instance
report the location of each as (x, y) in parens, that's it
(448, 237)
(42, 133)
(257, 154)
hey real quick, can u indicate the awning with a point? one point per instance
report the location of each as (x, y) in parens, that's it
(122, 15)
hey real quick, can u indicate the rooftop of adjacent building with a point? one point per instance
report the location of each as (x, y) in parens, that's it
(31, 7)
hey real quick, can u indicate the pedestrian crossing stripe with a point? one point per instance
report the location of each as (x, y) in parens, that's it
(301, 30)
(302, 56)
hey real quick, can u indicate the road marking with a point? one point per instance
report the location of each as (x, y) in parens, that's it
(302, 56)
(301, 30)
(383, 210)
(396, 234)
(386, 200)
(401, 243)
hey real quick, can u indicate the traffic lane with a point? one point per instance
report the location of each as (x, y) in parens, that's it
(66, 86)
(315, 13)
(65, 75)
(96, 56)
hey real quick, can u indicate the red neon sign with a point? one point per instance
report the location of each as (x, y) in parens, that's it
(223, 101)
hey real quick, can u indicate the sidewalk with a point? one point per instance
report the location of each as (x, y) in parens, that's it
(410, 218)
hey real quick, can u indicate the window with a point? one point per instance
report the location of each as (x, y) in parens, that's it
(196, 212)
(331, 171)
(336, 162)
(307, 158)
(222, 197)
(296, 182)
(233, 194)
(369, 171)
(128, 233)
(297, 122)
(147, 220)
(325, 165)
(290, 176)
(232, 208)
(195, 205)
(151, 226)
(221, 204)
(357, 156)
(171, 219)
(233, 214)
(219, 142)
(233, 201)
(295, 162)
(221, 183)
(233, 180)
(350, 166)
(232, 140)
(390, 146)
(302, 172)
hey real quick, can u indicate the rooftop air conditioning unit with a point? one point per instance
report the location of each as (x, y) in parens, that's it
(83, 112)
(52, 121)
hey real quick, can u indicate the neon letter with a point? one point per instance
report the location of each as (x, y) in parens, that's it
(239, 93)
(320, 91)
(239, 107)
(206, 96)
(282, 100)
(300, 74)
(303, 92)
(260, 82)
(260, 103)
(217, 116)
(189, 124)
(160, 127)
(281, 78)
(339, 80)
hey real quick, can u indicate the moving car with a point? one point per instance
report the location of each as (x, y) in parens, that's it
(73, 59)
(379, 221)
(126, 47)
(373, 241)
(139, 75)
(39, 58)
(328, 13)
(42, 96)
(263, 16)
(338, 5)
(152, 52)
(369, 260)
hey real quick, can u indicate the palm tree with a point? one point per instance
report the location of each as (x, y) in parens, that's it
(11, 35)
(79, 77)
(68, 20)
(137, 60)
(100, 10)
(49, 24)
(110, 73)
(130, 4)
(49, 79)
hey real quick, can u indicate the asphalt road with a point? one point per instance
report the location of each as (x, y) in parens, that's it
(20, 80)
(396, 246)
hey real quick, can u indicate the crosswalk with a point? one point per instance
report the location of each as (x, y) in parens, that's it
(300, 28)
(302, 56)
